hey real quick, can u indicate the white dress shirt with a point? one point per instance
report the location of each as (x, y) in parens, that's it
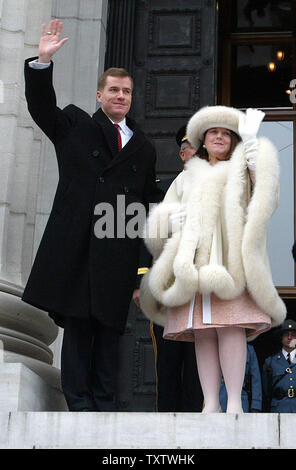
(292, 355)
(125, 132)
(34, 64)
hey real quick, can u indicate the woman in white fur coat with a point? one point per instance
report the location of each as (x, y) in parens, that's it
(210, 281)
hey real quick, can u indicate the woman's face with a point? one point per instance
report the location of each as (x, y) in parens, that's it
(217, 142)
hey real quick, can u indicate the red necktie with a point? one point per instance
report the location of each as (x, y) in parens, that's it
(118, 137)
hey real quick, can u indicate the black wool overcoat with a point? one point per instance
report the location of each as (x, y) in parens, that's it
(75, 273)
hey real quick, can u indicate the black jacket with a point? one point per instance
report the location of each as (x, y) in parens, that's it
(74, 272)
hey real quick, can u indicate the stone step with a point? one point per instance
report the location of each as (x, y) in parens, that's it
(122, 430)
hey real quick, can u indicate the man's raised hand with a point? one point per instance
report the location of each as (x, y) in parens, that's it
(50, 41)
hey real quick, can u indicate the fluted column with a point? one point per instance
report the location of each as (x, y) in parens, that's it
(25, 332)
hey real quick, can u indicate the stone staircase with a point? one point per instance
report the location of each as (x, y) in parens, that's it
(70, 430)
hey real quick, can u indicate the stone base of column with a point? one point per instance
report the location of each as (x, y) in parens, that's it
(28, 381)
(21, 389)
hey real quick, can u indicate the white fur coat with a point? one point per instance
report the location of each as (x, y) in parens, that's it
(222, 245)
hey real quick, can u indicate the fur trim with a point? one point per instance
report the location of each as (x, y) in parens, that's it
(236, 200)
(209, 117)
(229, 281)
(263, 204)
(156, 227)
(152, 309)
(213, 276)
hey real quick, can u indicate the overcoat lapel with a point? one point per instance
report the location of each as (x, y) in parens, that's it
(108, 129)
(133, 145)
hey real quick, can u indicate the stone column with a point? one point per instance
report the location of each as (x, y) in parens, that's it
(28, 170)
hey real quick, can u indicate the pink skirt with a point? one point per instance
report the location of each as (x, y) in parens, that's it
(241, 312)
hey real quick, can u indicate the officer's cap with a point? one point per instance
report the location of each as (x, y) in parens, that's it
(181, 136)
(288, 325)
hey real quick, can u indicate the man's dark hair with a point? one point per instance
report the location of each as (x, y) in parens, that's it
(112, 72)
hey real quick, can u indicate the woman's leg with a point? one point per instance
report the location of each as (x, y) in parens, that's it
(233, 354)
(208, 365)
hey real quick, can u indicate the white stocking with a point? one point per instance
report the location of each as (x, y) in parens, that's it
(208, 365)
(233, 354)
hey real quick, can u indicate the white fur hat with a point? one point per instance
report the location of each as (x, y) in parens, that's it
(209, 117)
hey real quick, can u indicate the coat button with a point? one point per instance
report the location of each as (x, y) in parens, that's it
(101, 179)
(126, 189)
(134, 167)
(96, 153)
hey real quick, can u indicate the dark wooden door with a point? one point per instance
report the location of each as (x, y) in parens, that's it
(169, 47)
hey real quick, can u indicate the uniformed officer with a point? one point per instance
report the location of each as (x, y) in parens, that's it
(279, 373)
(252, 387)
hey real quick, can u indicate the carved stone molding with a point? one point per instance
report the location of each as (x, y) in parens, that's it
(26, 330)
(26, 334)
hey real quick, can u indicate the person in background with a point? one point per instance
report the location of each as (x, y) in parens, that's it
(252, 386)
(279, 373)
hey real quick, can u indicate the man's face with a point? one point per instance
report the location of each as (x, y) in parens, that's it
(187, 152)
(116, 97)
(287, 340)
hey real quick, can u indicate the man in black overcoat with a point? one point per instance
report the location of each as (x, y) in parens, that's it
(85, 281)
